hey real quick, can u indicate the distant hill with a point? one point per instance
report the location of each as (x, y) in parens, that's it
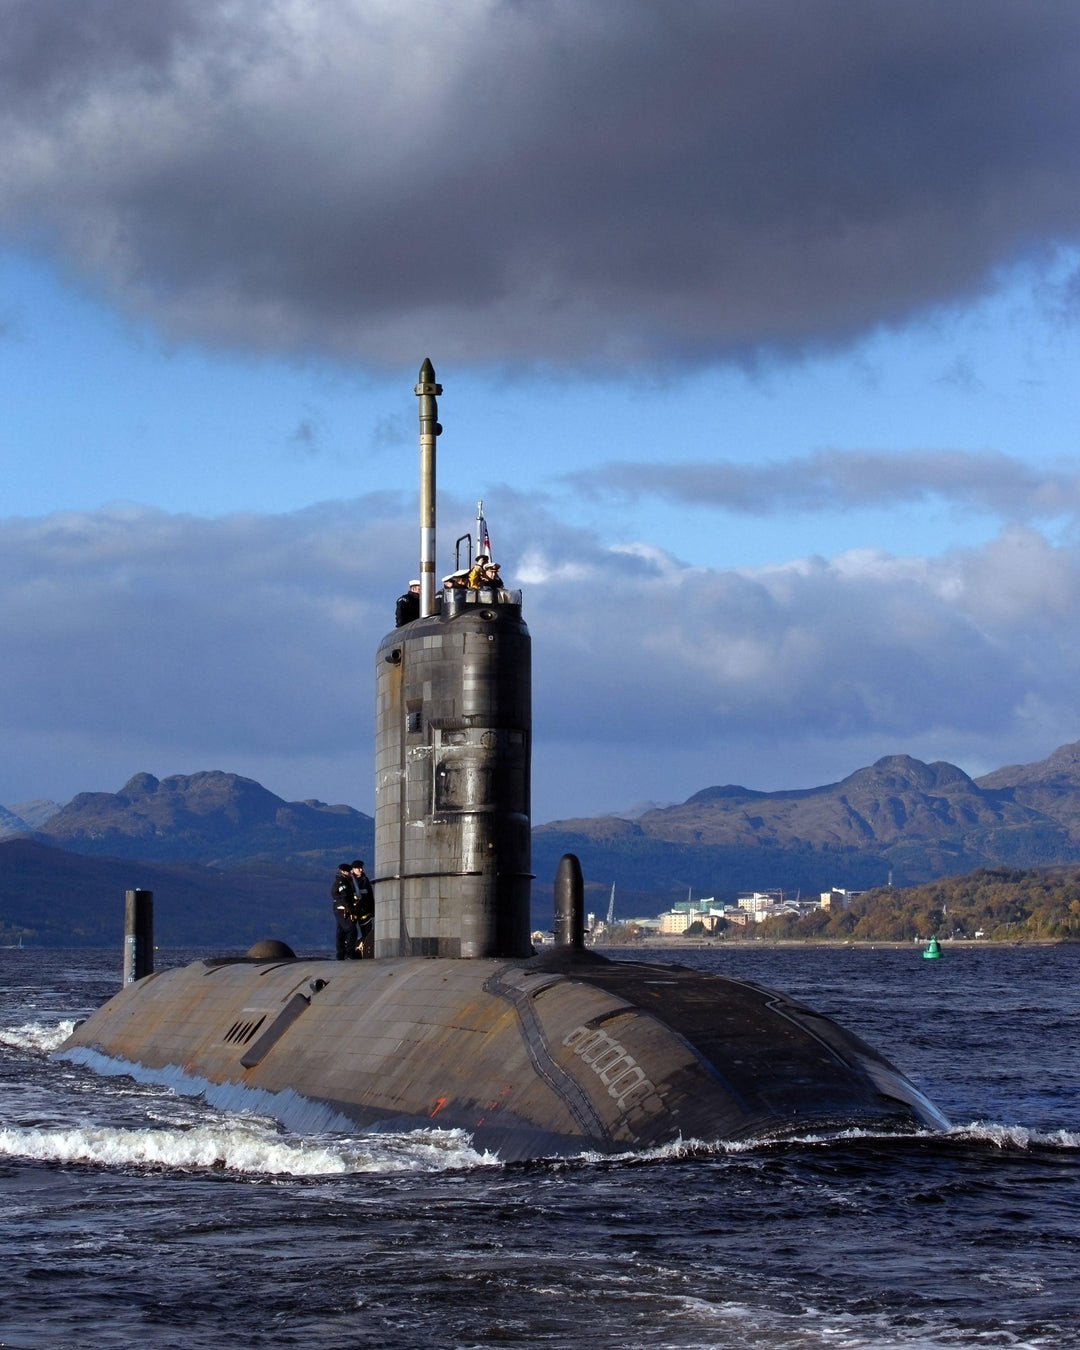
(11, 823)
(210, 817)
(1051, 786)
(33, 814)
(917, 820)
(52, 898)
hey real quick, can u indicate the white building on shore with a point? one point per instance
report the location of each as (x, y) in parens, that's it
(750, 907)
(838, 898)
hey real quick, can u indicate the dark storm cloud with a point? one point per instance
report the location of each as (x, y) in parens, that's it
(139, 640)
(830, 480)
(552, 181)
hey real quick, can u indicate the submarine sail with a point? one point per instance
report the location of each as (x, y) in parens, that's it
(452, 744)
(456, 1023)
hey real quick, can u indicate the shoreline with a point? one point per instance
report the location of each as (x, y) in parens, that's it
(754, 944)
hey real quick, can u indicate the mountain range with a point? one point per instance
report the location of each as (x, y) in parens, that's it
(897, 817)
(214, 818)
(229, 862)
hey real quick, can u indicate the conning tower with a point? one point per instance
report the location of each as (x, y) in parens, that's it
(452, 750)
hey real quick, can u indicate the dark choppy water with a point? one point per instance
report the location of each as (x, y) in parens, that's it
(130, 1217)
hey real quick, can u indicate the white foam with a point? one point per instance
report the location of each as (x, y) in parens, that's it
(246, 1149)
(43, 1037)
(1015, 1136)
(708, 1148)
(750, 1326)
(1003, 1136)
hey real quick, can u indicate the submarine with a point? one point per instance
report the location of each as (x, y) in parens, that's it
(455, 1022)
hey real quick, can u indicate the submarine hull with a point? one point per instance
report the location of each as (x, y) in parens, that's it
(560, 1054)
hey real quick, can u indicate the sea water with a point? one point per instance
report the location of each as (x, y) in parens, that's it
(131, 1217)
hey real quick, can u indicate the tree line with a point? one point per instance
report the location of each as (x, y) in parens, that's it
(998, 903)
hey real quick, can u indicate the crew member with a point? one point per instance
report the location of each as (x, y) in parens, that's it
(364, 908)
(343, 894)
(478, 571)
(408, 606)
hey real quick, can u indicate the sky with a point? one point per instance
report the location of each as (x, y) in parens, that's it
(758, 325)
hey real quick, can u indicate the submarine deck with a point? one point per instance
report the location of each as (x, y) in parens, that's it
(559, 1053)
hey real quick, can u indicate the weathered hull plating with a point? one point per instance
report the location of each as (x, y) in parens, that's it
(452, 747)
(559, 1054)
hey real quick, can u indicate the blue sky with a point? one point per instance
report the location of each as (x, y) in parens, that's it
(758, 339)
(99, 409)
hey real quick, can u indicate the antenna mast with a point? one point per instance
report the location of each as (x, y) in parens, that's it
(426, 390)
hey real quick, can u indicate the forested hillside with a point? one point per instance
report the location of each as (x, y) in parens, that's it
(1000, 903)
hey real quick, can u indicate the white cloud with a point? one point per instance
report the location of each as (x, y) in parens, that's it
(139, 640)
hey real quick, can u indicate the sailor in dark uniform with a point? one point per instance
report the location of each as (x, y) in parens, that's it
(408, 606)
(343, 894)
(363, 907)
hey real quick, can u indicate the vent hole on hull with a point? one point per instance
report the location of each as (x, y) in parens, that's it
(240, 1033)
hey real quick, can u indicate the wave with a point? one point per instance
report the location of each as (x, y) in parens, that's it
(420, 1149)
(1004, 1137)
(43, 1037)
(253, 1149)
(748, 1325)
(1015, 1136)
(977, 1132)
(245, 1149)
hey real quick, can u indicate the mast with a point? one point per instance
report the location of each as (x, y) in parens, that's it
(426, 391)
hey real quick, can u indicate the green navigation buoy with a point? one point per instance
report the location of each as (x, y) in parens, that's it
(933, 950)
